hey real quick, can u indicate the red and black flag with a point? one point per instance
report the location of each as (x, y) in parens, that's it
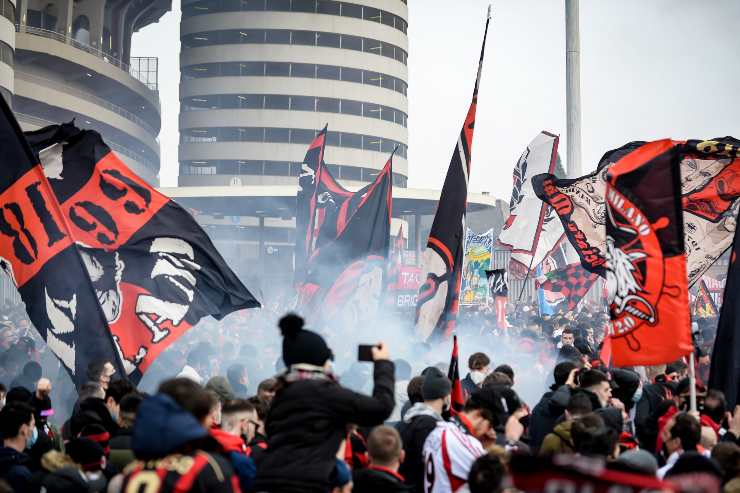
(346, 276)
(109, 269)
(704, 307)
(395, 263)
(570, 283)
(724, 373)
(498, 291)
(645, 257)
(438, 301)
(457, 395)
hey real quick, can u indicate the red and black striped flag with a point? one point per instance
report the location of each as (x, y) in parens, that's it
(571, 283)
(438, 301)
(704, 306)
(457, 395)
(109, 268)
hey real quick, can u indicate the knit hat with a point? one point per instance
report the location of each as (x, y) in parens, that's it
(436, 385)
(221, 387)
(97, 434)
(639, 461)
(300, 345)
(85, 452)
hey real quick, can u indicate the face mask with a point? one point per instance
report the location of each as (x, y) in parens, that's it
(638, 394)
(477, 376)
(34, 436)
(114, 416)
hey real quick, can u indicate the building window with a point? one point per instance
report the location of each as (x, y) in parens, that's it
(277, 69)
(278, 36)
(277, 102)
(304, 38)
(327, 72)
(278, 135)
(329, 40)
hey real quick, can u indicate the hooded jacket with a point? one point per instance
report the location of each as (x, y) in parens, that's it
(235, 449)
(417, 424)
(559, 441)
(169, 440)
(92, 411)
(14, 468)
(376, 479)
(306, 424)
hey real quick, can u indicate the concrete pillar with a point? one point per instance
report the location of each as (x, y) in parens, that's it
(65, 8)
(573, 87)
(21, 11)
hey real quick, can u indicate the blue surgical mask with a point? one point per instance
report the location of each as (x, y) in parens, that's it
(637, 395)
(34, 436)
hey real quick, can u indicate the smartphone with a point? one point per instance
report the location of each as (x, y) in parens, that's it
(365, 352)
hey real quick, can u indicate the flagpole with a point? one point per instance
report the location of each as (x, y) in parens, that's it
(526, 278)
(692, 382)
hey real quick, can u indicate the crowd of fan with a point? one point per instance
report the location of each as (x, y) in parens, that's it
(303, 431)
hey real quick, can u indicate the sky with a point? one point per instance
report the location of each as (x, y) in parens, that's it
(650, 69)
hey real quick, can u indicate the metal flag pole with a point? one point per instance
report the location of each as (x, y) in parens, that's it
(692, 382)
(573, 87)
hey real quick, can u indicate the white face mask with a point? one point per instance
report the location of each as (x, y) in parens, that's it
(478, 376)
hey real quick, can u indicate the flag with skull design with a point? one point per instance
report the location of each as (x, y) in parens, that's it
(109, 269)
(645, 257)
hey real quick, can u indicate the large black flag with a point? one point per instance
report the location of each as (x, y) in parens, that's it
(346, 276)
(109, 269)
(439, 297)
(724, 373)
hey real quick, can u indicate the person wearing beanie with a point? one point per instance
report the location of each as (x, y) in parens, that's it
(637, 462)
(221, 387)
(310, 412)
(418, 423)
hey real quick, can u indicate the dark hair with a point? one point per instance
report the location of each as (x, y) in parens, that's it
(562, 371)
(384, 445)
(413, 389)
(579, 404)
(2, 388)
(12, 417)
(506, 370)
(188, 395)
(260, 406)
(716, 412)
(688, 430)
(130, 403)
(234, 373)
(89, 389)
(590, 378)
(486, 475)
(727, 455)
(478, 361)
(591, 437)
(32, 370)
(567, 331)
(569, 353)
(118, 388)
(497, 378)
(237, 406)
(268, 384)
(403, 369)
(95, 370)
(18, 394)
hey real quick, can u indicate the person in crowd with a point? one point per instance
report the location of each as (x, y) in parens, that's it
(636, 461)
(3, 392)
(236, 415)
(49, 436)
(19, 433)
(681, 434)
(419, 422)
(593, 438)
(454, 446)
(30, 375)
(173, 447)
(238, 379)
(121, 453)
(92, 410)
(506, 370)
(567, 338)
(547, 411)
(101, 372)
(497, 378)
(221, 387)
(116, 390)
(413, 391)
(403, 376)
(479, 366)
(89, 455)
(340, 479)
(310, 412)
(266, 390)
(595, 384)
(487, 475)
(560, 441)
(196, 364)
(386, 454)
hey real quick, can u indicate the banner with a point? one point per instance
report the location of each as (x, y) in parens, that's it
(566, 287)
(346, 277)
(710, 189)
(704, 306)
(724, 372)
(477, 259)
(109, 268)
(645, 263)
(439, 297)
(532, 229)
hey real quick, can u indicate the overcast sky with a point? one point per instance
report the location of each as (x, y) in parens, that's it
(649, 69)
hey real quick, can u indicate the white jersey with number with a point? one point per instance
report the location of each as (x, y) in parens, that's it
(449, 453)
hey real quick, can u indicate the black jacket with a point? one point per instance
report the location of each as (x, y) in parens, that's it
(92, 411)
(468, 385)
(306, 424)
(14, 469)
(414, 430)
(546, 413)
(376, 480)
